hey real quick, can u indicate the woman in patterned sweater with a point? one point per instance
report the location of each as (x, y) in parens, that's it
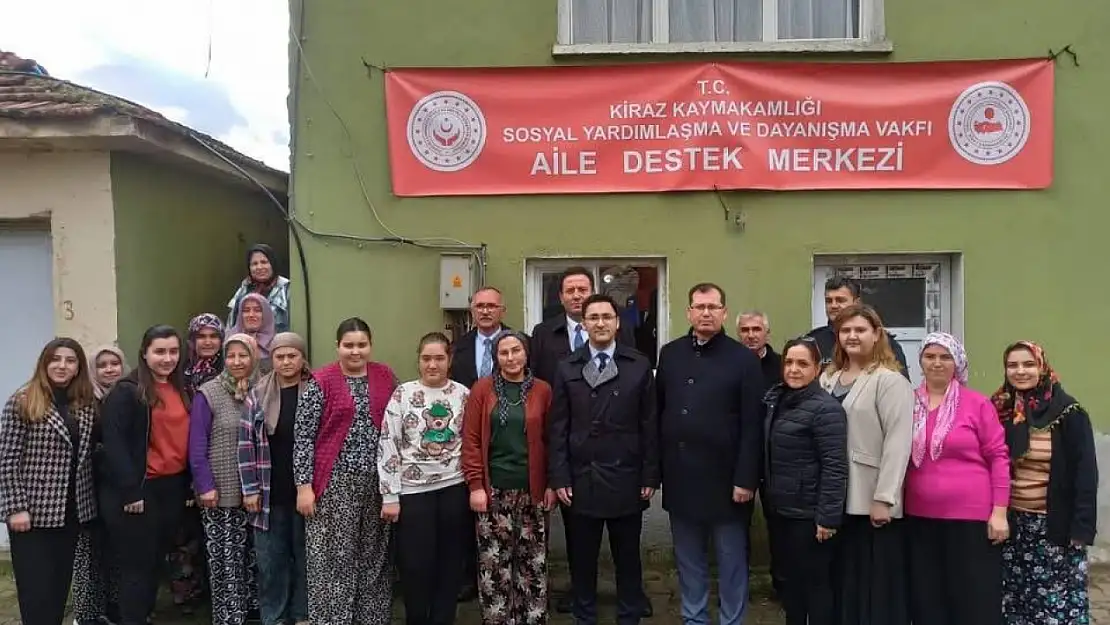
(422, 485)
(335, 453)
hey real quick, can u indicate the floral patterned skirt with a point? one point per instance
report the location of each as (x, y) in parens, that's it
(1042, 583)
(512, 560)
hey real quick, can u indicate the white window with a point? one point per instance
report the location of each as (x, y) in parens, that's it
(639, 284)
(623, 26)
(914, 295)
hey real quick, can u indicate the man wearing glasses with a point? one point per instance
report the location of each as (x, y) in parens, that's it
(603, 458)
(710, 391)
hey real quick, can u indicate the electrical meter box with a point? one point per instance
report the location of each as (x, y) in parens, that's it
(457, 276)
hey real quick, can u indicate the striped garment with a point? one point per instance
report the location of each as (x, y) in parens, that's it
(254, 459)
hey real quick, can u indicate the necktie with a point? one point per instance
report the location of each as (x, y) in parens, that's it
(602, 360)
(579, 340)
(487, 358)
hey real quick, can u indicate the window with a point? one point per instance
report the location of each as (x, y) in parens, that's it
(621, 26)
(639, 284)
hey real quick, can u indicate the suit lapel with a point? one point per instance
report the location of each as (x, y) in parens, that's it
(85, 427)
(862, 382)
(464, 356)
(58, 424)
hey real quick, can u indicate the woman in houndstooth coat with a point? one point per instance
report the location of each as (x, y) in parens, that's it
(46, 477)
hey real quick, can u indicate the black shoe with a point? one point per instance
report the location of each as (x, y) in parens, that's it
(468, 594)
(648, 610)
(563, 605)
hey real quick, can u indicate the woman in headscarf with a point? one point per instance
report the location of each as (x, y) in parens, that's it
(335, 453)
(266, 433)
(187, 560)
(504, 462)
(214, 460)
(263, 279)
(95, 578)
(1052, 493)
(957, 490)
(256, 319)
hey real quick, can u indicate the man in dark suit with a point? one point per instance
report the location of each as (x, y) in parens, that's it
(603, 458)
(555, 339)
(471, 360)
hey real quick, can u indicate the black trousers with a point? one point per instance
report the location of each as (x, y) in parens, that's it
(624, 544)
(431, 544)
(470, 553)
(42, 560)
(955, 573)
(806, 566)
(140, 542)
(771, 520)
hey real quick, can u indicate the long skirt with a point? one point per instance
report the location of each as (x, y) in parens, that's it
(95, 578)
(188, 565)
(955, 573)
(347, 554)
(1042, 582)
(871, 565)
(512, 560)
(230, 565)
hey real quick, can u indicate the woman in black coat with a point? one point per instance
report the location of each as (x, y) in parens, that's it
(805, 482)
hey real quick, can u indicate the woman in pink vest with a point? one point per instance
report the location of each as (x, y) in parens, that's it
(335, 453)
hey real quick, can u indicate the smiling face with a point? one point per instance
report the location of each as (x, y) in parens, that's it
(162, 357)
(1022, 369)
(602, 323)
(799, 367)
(62, 366)
(434, 364)
(252, 315)
(858, 337)
(108, 368)
(261, 269)
(237, 360)
(353, 350)
(938, 365)
(511, 358)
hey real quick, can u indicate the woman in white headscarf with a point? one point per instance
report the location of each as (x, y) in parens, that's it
(95, 578)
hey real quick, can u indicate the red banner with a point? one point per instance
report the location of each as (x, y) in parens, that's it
(685, 127)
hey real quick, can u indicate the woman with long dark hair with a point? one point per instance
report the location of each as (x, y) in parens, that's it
(338, 424)
(504, 461)
(46, 477)
(146, 438)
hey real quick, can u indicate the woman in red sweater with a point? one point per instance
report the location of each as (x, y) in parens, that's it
(504, 463)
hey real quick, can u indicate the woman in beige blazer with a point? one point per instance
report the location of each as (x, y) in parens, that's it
(866, 379)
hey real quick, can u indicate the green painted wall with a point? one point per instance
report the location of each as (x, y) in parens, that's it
(1029, 257)
(181, 240)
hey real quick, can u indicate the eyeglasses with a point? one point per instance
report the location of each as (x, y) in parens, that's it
(599, 318)
(707, 307)
(487, 306)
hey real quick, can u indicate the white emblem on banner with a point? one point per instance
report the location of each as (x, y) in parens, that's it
(989, 123)
(446, 131)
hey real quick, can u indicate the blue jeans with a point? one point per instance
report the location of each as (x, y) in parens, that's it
(282, 591)
(691, 554)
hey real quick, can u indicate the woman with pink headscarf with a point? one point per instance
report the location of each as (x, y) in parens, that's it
(957, 491)
(256, 320)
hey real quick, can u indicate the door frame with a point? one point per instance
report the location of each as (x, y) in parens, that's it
(536, 266)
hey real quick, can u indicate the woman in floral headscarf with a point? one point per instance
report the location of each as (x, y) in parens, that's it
(957, 489)
(1053, 493)
(206, 337)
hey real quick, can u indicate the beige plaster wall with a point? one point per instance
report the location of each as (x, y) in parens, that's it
(74, 191)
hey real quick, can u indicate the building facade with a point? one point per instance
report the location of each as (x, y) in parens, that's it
(992, 266)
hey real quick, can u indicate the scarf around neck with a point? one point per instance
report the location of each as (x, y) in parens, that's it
(499, 381)
(1039, 408)
(202, 369)
(239, 388)
(949, 406)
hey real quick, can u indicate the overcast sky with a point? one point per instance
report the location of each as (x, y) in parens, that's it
(155, 53)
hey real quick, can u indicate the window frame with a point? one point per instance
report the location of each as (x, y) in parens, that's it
(536, 267)
(872, 37)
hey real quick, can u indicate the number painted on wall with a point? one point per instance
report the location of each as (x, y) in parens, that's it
(67, 310)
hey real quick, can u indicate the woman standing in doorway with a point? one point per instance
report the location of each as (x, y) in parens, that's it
(504, 460)
(95, 575)
(422, 485)
(46, 477)
(213, 456)
(146, 438)
(338, 424)
(866, 379)
(263, 279)
(1053, 493)
(256, 320)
